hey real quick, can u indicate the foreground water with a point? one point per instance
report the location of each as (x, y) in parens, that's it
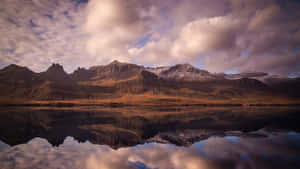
(275, 150)
(194, 137)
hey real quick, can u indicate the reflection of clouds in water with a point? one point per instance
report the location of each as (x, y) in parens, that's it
(234, 139)
(3, 146)
(280, 151)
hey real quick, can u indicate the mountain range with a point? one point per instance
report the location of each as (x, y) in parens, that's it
(118, 79)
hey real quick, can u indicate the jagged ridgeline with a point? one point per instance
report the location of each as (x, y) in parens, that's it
(117, 79)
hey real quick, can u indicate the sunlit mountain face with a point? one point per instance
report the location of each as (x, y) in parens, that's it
(149, 84)
(216, 35)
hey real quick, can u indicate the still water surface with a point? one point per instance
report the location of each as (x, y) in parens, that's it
(132, 137)
(275, 150)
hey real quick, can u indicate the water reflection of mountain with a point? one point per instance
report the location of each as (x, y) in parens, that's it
(278, 150)
(129, 126)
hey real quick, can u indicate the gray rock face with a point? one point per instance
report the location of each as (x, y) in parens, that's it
(185, 72)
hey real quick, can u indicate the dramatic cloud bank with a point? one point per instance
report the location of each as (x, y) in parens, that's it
(281, 151)
(218, 35)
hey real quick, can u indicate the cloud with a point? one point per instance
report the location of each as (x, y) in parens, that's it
(3, 146)
(40, 32)
(265, 31)
(114, 25)
(206, 35)
(265, 17)
(214, 33)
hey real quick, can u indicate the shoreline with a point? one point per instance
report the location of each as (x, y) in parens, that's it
(119, 104)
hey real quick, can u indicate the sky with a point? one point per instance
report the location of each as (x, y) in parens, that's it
(216, 35)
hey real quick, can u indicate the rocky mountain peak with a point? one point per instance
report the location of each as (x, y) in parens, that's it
(14, 73)
(187, 68)
(14, 67)
(81, 74)
(186, 72)
(56, 72)
(55, 68)
(185, 65)
(116, 62)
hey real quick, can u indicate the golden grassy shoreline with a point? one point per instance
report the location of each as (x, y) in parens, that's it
(154, 100)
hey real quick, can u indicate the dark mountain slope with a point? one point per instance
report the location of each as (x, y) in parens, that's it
(113, 71)
(55, 83)
(16, 81)
(287, 86)
(143, 82)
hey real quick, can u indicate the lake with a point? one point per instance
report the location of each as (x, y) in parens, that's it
(150, 137)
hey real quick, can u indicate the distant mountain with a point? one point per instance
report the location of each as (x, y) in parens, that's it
(143, 82)
(183, 72)
(113, 71)
(246, 75)
(16, 80)
(56, 73)
(288, 86)
(55, 83)
(15, 75)
(82, 74)
(279, 84)
(117, 79)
